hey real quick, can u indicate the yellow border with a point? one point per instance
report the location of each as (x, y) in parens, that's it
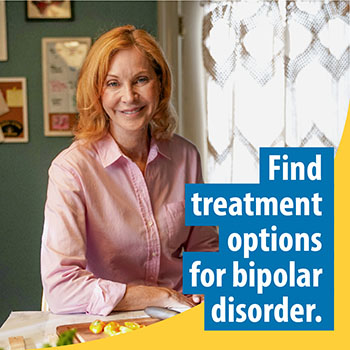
(185, 331)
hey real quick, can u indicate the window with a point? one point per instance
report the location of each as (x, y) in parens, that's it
(262, 74)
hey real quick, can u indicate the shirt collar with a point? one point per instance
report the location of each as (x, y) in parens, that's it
(158, 147)
(109, 151)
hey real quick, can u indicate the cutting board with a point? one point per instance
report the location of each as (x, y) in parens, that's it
(83, 333)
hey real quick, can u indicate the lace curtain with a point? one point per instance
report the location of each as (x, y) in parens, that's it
(277, 74)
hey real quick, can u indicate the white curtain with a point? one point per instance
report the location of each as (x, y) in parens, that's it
(276, 74)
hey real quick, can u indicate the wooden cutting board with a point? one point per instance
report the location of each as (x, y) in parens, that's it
(83, 333)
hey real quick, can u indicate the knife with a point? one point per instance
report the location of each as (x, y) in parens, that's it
(160, 312)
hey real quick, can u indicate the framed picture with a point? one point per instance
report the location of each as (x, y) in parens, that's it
(3, 34)
(62, 59)
(61, 9)
(13, 109)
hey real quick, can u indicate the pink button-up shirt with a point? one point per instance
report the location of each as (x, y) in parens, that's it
(107, 225)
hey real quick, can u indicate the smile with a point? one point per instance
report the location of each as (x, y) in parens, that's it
(132, 111)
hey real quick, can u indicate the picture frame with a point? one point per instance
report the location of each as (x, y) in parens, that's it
(13, 109)
(3, 31)
(62, 59)
(49, 10)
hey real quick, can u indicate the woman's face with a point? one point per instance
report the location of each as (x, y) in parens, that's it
(131, 93)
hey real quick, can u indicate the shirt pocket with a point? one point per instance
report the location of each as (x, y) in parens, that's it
(175, 220)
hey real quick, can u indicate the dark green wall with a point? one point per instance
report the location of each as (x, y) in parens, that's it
(23, 169)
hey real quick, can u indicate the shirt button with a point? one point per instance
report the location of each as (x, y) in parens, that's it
(150, 223)
(154, 254)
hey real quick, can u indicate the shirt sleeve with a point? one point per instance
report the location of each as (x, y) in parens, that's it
(68, 286)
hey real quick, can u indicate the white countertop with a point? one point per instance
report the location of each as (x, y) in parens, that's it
(38, 327)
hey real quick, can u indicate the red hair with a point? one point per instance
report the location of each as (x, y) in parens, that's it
(93, 122)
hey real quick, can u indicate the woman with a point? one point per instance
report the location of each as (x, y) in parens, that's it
(114, 226)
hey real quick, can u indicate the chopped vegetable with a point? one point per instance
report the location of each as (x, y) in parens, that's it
(113, 328)
(97, 326)
(133, 325)
(124, 329)
(66, 337)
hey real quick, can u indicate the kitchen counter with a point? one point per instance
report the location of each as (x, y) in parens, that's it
(38, 328)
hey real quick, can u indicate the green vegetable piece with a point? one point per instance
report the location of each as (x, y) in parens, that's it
(66, 338)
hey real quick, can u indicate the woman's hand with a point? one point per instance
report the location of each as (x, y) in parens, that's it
(139, 297)
(176, 299)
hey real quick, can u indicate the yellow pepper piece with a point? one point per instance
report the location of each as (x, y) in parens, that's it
(111, 333)
(132, 325)
(112, 328)
(97, 326)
